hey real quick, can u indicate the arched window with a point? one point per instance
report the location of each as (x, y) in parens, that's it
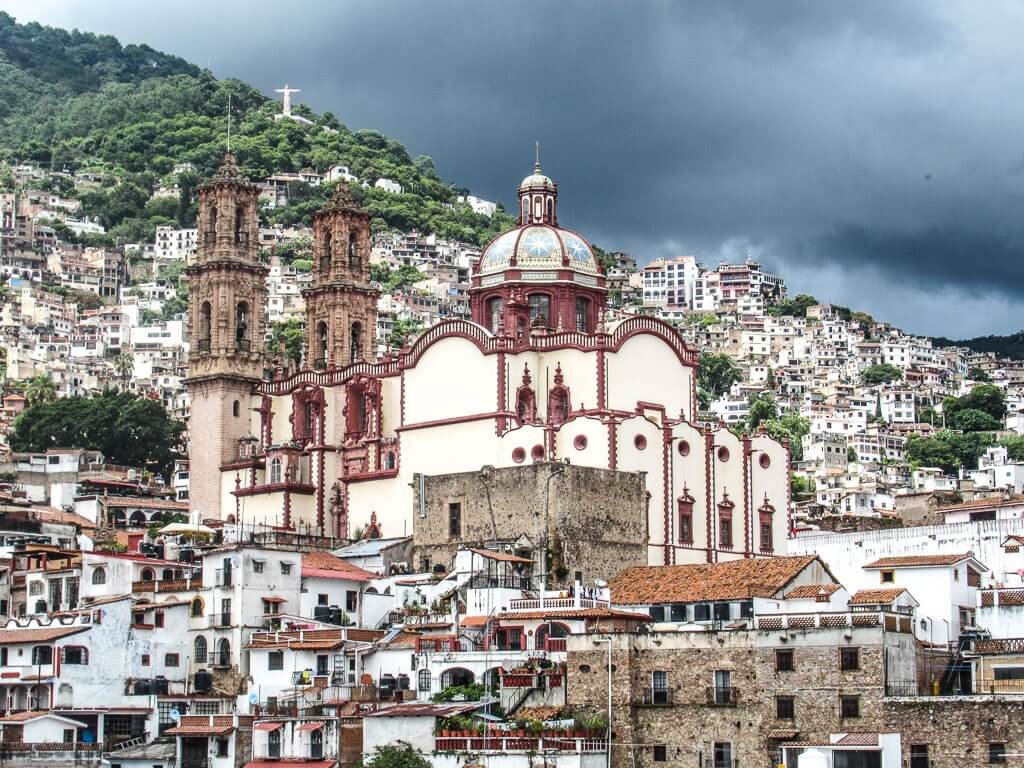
(540, 306)
(494, 307)
(325, 258)
(766, 515)
(725, 507)
(99, 576)
(307, 419)
(167, 574)
(235, 409)
(423, 681)
(357, 343)
(274, 744)
(224, 652)
(551, 211)
(138, 519)
(200, 651)
(558, 405)
(275, 471)
(242, 326)
(582, 315)
(320, 360)
(147, 575)
(353, 253)
(526, 210)
(212, 234)
(197, 606)
(316, 744)
(389, 460)
(205, 314)
(239, 219)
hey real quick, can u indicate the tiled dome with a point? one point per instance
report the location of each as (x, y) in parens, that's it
(538, 246)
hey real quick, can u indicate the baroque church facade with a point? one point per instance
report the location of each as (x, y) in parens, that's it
(536, 375)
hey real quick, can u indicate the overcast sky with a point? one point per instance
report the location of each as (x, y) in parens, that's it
(872, 151)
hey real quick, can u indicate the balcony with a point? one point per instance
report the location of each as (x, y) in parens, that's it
(656, 697)
(722, 696)
(502, 742)
(482, 581)
(892, 622)
(220, 620)
(176, 585)
(544, 603)
(984, 687)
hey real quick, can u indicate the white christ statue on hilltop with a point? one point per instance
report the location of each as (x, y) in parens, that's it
(286, 100)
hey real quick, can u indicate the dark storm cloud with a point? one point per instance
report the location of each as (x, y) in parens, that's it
(870, 150)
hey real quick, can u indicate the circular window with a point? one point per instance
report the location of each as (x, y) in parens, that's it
(584, 668)
(765, 461)
(683, 448)
(518, 455)
(580, 442)
(640, 442)
(723, 454)
(537, 452)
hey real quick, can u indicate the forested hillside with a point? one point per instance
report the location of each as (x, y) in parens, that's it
(81, 101)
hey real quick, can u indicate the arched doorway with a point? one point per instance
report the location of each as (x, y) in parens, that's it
(552, 629)
(456, 676)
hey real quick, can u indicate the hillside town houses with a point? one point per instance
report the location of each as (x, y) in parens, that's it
(364, 550)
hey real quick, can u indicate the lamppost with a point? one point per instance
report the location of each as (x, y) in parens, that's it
(608, 730)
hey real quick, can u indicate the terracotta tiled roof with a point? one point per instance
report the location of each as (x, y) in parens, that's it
(305, 640)
(293, 763)
(37, 634)
(858, 740)
(324, 565)
(425, 709)
(985, 503)
(403, 640)
(503, 557)
(574, 613)
(200, 730)
(811, 591)
(918, 561)
(876, 596)
(143, 503)
(733, 580)
(538, 713)
(474, 621)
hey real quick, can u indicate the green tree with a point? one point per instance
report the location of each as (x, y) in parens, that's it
(851, 454)
(795, 307)
(973, 420)
(716, 374)
(292, 333)
(1014, 445)
(977, 374)
(882, 373)
(762, 408)
(397, 755)
(402, 331)
(40, 390)
(983, 397)
(800, 486)
(124, 365)
(126, 429)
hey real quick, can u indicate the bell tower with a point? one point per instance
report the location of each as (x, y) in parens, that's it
(226, 327)
(341, 305)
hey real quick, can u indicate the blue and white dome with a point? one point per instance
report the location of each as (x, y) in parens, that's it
(539, 246)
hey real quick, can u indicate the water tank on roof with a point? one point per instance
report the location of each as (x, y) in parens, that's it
(403, 682)
(322, 613)
(141, 688)
(171, 551)
(336, 614)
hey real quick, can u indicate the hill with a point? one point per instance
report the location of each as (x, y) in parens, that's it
(1011, 346)
(80, 101)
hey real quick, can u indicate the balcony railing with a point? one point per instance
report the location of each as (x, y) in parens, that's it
(656, 697)
(554, 644)
(538, 604)
(220, 620)
(891, 621)
(175, 585)
(504, 743)
(986, 687)
(482, 581)
(722, 696)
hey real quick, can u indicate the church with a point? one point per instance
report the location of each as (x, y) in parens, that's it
(536, 376)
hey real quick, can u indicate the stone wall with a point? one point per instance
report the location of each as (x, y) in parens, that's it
(597, 516)
(690, 723)
(956, 730)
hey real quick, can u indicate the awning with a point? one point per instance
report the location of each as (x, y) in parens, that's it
(267, 726)
(310, 726)
(274, 600)
(179, 528)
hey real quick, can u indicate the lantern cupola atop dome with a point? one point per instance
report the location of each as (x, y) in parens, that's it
(538, 198)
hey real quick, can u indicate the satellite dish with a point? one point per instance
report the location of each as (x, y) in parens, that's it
(175, 716)
(254, 699)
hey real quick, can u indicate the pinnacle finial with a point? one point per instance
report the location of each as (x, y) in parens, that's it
(228, 167)
(536, 165)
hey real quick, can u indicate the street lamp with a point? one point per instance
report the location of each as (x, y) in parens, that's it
(608, 730)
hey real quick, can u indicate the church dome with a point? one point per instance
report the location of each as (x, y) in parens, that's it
(537, 181)
(533, 246)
